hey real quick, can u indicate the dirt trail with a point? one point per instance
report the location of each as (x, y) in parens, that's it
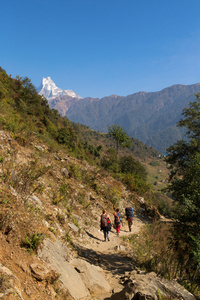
(96, 239)
(108, 255)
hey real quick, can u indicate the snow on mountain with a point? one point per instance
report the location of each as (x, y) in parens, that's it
(50, 91)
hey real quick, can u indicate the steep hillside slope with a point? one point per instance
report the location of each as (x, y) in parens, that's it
(51, 246)
(49, 198)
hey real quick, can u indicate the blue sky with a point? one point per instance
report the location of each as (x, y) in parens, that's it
(104, 47)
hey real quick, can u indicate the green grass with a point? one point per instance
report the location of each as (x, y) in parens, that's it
(154, 174)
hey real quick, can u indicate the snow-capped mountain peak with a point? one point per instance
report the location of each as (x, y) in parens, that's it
(49, 90)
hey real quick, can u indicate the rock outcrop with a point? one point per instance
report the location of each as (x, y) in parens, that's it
(150, 286)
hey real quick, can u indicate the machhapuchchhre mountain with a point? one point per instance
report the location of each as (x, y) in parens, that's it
(49, 90)
(150, 117)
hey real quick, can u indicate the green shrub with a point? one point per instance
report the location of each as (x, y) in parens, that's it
(33, 241)
(162, 202)
(110, 160)
(29, 175)
(154, 163)
(64, 189)
(81, 197)
(74, 171)
(95, 186)
(135, 183)
(128, 165)
(66, 136)
(68, 238)
(113, 195)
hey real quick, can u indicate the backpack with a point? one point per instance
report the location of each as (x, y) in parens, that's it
(117, 220)
(104, 220)
(129, 212)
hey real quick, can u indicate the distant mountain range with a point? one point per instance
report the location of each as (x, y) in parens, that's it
(148, 117)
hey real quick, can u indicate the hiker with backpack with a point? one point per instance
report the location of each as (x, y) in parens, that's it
(117, 221)
(105, 225)
(129, 216)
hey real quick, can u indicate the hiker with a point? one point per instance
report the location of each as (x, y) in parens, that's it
(109, 227)
(129, 216)
(120, 216)
(117, 221)
(105, 225)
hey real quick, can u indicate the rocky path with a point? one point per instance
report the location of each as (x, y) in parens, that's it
(111, 255)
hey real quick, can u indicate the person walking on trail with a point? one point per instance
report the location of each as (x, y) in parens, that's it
(109, 227)
(117, 221)
(105, 225)
(129, 216)
(120, 216)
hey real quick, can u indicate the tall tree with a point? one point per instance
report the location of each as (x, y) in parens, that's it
(120, 136)
(184, 183)
(184, 160)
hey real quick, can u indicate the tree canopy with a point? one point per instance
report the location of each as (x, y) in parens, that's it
(184, 183)
(184, 160)
(129, 165)
(120, 136)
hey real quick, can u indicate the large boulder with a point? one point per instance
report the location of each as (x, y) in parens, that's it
(150, 286)
(54, 253)
(42, 272)
(91, 276)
